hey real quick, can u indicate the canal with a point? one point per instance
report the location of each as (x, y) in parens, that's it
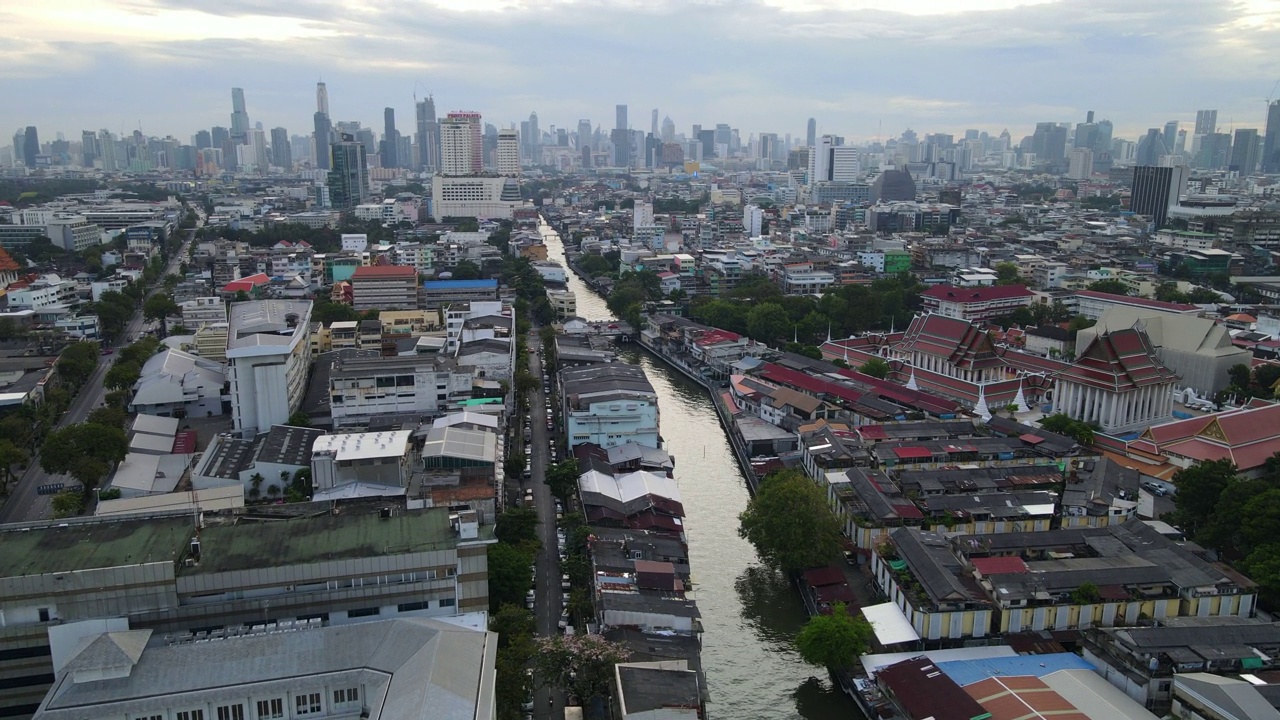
(749, 615)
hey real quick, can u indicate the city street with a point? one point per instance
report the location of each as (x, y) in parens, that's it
(24, 504)
(547, 588)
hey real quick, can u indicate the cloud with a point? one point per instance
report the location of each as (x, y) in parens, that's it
(859, 66)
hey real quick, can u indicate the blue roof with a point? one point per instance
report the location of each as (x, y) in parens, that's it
(967, 672)
(459, 284)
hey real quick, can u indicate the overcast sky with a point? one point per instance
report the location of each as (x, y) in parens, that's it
(861, 67)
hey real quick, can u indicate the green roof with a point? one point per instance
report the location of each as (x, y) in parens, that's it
(68, 547)
(320, 538)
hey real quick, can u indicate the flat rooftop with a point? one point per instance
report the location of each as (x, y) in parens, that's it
(68, 547)
(355, 532)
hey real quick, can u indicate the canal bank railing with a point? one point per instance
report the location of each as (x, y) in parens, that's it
(736, 443)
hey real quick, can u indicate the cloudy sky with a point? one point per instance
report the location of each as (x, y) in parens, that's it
(861, 67)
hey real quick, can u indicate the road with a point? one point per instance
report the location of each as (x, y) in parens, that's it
(24, 504)
(547, 704)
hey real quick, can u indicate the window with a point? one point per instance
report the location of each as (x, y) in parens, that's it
(231, 712)
(268, 709)
(306, 704)
(149, 717)
(343, 696)
(44, 614)
(447, 602)
(191, 715)
(363, 612)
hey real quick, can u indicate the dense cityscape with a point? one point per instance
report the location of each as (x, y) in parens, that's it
(445, 416)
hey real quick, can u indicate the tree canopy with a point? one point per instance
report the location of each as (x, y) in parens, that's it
(875, 367)
(580, 665)
(835, 640)
(790, 524)
(509, 575)
(517, 525)
(86, 451)
(1115, 287)
(563, 478)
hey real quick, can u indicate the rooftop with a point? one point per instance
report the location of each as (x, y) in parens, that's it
(288, 445)
(351, 447)
(85, 545)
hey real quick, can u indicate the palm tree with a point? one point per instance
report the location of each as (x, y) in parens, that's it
(273, 491)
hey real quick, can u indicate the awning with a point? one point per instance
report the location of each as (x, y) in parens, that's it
(890, 624)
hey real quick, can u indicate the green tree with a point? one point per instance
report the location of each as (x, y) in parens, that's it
(77, 363)
(86, 451)
(1259, 521)
(509, 575)
(722, 314)
(517, 525)
(580, 665)
(1199, 489)
(1087, 593)
(835, 640)
(875, 367)
(466, 270)
(139, 352)
(1263, 567)
(67, 503)
(109, 415)
(1266, 376)
(10, 455)
(122, 375)
(790, 523)
(299, 419)
(562, 478)
(768, 323)
(158, 308)
(1007, 274)
(1241, 376)
(1115, 287)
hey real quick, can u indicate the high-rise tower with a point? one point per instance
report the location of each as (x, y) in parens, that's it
(1206, 122)
(811, 135)
(461, 144)
(389, 150)
(507, 155)
(30, 146)
(349, 177)
(1271, 141)
(239, 118)
(322, 98)
(428, 138)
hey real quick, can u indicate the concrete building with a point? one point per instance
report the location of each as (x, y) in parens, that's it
(1092, 304)
(377, 463)
(976, 304)
(507, 155)
(416, 387)
(461, 145)
(609, 405)
(1156, 190)
(384, 287)
(162, 573)
(480, 197)
(1117, 382)
(1197, 349)
(73, 233)
(374, 670)
(178, 384)
(269, 352)
(199, 312)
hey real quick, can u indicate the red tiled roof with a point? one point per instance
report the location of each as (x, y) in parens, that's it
(246, 283)
(963, 344)
(989, 566)
(184, 442)
(384, 271)
(1143, 302)
(950, 293)
(7, 263)
(713, 337)
(912, 452)
(823, 576)
(1119, 361)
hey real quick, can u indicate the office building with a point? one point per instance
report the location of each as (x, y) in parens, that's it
(1245, 151)
(1206, 122)
(239, 118)
(321, 140)
(176, 577)
(1049, 142)
(268, 354)
(1151, 148)
(480, 197)
(88, 148)
(424, 386)
(281, 151)
(811, 134)
(349, 177)
(322, 98)
(1214, 151)
(428, 137)
(1081, 164)
(30, 146)
(1170, 137)
(584, 135)
(384, 287)
(1271, 141)
(621, 120)
(508, 153)
(1156, 190)
(461, 144)
(390, 147)
(73, 233)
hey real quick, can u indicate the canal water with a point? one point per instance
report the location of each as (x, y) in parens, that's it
(750, 616)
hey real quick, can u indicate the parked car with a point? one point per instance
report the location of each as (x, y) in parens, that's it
(1154, 488)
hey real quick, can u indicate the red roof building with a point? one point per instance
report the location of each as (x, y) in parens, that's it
(250, 285)
(385, 287)
(1118, 383)
(1092, 304)
(976, 304)
(1245, 436)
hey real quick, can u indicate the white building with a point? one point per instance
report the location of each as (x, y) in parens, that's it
(174, 383)
(642, 215)
(418, 386)
(395, 668)
(203, 311)
(457, 315)
(507, 157)
(47, 294)
(752, 220)
(551, 271)
(368, 459)
(1080, 166)
(84, 327)
(481, 197)
(73, 233)
(609, 405)
(269, 353)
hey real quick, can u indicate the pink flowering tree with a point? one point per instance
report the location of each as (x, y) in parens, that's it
(580, 665)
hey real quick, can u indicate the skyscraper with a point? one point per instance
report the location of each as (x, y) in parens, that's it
(1103, 144)
(349, 178)
(1244, 151)
(321, 141)
(811, 136)
(1049, 142)
(622, 118)
(461, 144)
(322, 98)
(584, 134)
(653, 125)
(1271, 141)
(390, 148)
(1170, 136)
(621, 139)
(239, 117)
(507, 161)
(281, 152)
(30, 146)
(1206, 122)
(428, 135)
(668, 130)
(1150, 148)
(203, 140)
(88, 148)
(1156, 189)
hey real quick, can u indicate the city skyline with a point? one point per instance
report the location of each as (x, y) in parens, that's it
(1012, 65)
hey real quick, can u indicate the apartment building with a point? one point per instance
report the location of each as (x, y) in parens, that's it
(268, 354)
(609, 405)
(976, 304)
(362, 388)
(385, 287)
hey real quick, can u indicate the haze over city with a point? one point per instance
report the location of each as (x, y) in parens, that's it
(862, 68)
